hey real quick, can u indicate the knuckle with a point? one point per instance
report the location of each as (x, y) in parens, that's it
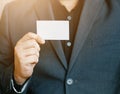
(35, 59)
(36, 45)
(38, 54)
(18, 43)
(29, 33)
(34, 50)
(15, 48)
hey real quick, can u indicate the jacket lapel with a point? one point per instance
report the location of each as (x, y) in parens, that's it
(89, 14)
(59, 50)
(48, 14)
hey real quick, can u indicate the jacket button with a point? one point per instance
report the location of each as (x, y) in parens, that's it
(69, 44)
(69, 81)
(69, 18)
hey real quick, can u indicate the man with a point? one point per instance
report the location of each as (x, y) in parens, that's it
(89, 63)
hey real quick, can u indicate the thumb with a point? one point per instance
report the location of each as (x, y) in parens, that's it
(39, 39)
(34, 36)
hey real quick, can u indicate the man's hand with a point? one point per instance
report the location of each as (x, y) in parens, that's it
(26, 56)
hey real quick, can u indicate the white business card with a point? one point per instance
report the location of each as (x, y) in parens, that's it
(53, 30)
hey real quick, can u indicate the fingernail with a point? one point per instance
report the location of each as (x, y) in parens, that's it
(43, 41)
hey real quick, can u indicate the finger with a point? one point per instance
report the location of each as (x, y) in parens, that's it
(30, 44)
(34, 36)
(33, 59)
(30, 52)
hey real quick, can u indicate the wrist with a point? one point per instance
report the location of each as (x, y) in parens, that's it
(19, 79)
(19, 89)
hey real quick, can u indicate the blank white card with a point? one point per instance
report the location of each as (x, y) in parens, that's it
(53, 30)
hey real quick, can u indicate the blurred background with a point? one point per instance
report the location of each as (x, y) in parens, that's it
(2, 4)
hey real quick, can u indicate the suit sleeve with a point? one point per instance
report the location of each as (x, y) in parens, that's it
(6, 56)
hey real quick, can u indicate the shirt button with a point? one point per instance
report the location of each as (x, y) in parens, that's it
(69, 18)
(69, 81)
(69, 44)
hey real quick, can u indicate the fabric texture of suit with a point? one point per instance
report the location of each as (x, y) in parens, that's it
(95, 61)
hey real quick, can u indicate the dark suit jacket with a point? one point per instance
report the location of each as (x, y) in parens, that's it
(94, 66)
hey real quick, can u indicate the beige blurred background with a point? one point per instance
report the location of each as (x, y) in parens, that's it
(2, 4)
